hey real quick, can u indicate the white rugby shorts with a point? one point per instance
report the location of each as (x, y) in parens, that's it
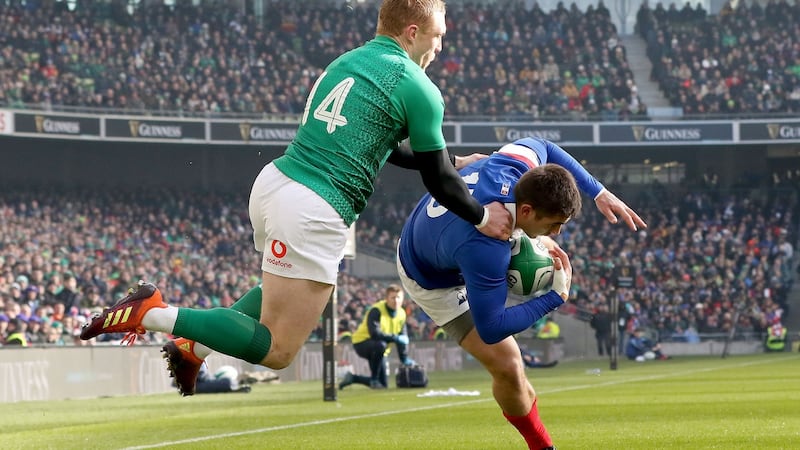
(442, 305)
(298, 233)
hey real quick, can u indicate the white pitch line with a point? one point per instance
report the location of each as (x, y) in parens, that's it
(444, 405)
(303, 424)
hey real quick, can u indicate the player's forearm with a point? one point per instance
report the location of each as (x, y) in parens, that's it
(586, 182)
(550, 152)
(495, 327)
(446, 186)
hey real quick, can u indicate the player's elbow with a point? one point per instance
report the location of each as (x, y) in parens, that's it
(488, 335)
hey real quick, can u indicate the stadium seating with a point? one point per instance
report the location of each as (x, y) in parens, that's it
(714, 252)
(513, 62)
(739, 62)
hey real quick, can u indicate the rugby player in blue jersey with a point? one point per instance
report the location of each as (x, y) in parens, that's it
(458, 276)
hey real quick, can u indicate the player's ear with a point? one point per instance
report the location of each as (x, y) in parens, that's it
(526, 210)
(411, 32)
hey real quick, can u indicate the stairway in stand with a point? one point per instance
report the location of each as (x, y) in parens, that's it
(649, 93)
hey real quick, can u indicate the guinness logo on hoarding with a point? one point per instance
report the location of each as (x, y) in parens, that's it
(250, 132)
(244, 131)
(505, 134)
(642, 133)
(46, 125)
(150, 130)
(638, 132)
(500, 133)
(774, 130)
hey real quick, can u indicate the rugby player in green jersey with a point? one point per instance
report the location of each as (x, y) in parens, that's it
(301, 204)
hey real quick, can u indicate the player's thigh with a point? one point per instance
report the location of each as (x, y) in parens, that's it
(502, 358)
(302, 239)
(291, 309)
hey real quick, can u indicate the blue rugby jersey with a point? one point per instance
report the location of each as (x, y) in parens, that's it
(440, 250)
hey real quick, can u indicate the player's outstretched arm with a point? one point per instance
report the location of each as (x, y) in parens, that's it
(608, 203)
(613, 208)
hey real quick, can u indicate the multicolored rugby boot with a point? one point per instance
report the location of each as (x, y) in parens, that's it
(182, 364)
(126, 315)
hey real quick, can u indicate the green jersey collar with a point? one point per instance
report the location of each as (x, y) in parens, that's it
(389, 42)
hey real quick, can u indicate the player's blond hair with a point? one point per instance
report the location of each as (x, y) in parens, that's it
(396, 15)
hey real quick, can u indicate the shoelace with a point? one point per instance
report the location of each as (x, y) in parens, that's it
(130, 338)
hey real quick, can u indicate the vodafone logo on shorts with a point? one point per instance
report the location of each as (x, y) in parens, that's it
(278, 250)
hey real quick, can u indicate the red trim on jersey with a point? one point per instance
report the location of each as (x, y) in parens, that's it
(518, 157)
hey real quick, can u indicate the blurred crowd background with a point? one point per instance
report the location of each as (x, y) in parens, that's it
(65, 255)
(513, 62)
(710, 251)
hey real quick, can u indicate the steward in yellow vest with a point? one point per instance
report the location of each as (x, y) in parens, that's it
(384, 323)
(17, 336)
(776, 338)
(550, 330)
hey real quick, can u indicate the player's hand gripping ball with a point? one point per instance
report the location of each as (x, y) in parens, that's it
(531, 267)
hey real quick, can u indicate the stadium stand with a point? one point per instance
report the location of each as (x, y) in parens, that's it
(741, 61)
(64, 253)
(513, 62)
(510, 62)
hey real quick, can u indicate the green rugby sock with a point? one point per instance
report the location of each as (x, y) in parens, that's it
(250, 303)
(225, 330)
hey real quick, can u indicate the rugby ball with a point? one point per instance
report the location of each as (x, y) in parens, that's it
(531, 266)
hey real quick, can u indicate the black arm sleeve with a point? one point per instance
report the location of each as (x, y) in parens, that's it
(404, 157)
(374, 326)
(445, 185)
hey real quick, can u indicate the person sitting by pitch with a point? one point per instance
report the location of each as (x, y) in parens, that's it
(384, 323)
(225, 379)
(641, 348)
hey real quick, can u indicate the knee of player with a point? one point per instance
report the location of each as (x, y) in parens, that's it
(508, 370)
(277, 360)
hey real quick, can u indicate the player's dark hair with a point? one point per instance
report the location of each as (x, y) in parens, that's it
(551, 190)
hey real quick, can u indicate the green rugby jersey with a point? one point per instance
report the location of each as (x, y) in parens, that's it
(366, 102)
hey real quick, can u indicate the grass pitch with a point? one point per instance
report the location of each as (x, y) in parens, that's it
(741, 402)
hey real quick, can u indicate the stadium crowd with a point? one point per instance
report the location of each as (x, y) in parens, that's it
(702, 260)
(513, 61)
(66, 254)
(742, 61)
